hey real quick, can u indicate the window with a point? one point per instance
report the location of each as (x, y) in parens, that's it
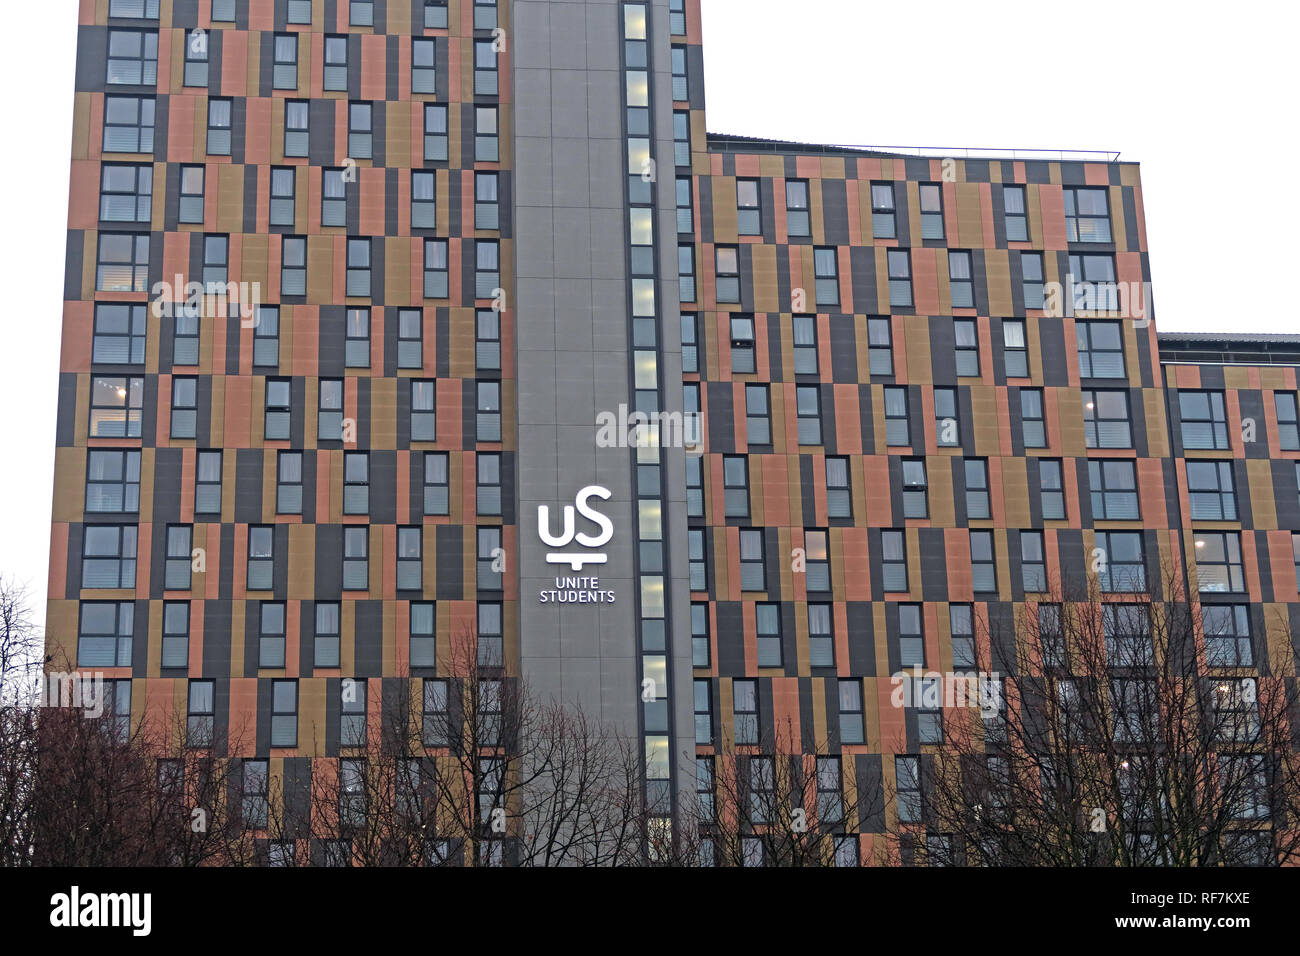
(491, 638)
(697, 559)
(946, 427)
(423, 640)
(735, 483)
(768, 626)
(424, 61)
(1051, 489)
(489, 411)
(1033, 563)
(1101, 349)
(128, 124)
(1203, 419)
(485, 14)
(184, 407)
(284, 72)
(728, 274)
(284, 713)
(703, 711)
(356, 483)
(361, 131)
(931, 211)
(808, 410)
(826, 276)
(796, 208)
(967, 348)
(1014, 350)
(435, 132)
(489, 548)
(915, 489)
(125, 193)
(361, 13)
(880, 347)
(293, 265)
(219, 114)
(753, 572)
(279, 409)
(1051, 635)
(911, 636)
(685, 209)
(1227, 635)
(1211, 491)
(1106, 420)
(176, 634)
(977, 488)
(261, 558)
(336, 64)
(742, 345)
(196, 59)
(680, 91)
(907, 774)
(488, 489)
(436, 713)
(1114, 490)
(191, 195)
(266, 337)
(134, 9)
(486, 214)
(200, 714)
(748, 208)
(694, 486)
(436, 275)
(893, 560)
(897, 429)
(758, 423)
(1288, 420)
(132, 57)
(108, 556)
(180, 545)
(927, 700)
(1244, 778)
(805, 345)
(254, 804)
(436, 483)
(216, 262)
(356, 558)
(1093, 278)
(961, 282)
(485, 68)
(1087, 215)
(817, 567)
(745, 711)
(104, 634)
(983, 567)
(900, 277)
(410, 338)
(700, 635)
(677, 17)
(1031, 274)
(1219, 566)
(485, 134)
(686, 272)
(1122, 562)
(690, 343)
(112, 481)
(681, 139)
(271, 635)
(1032, 420)
(883, 222)
(329, 413)
(830, 800)
(282, 196)
(358, 273)
(839, 503)
(185, 338)
(207, 483)
(1014, 213)
(961, 620)
(325, 645)
(851, 713)
(123, 263)
(435, 14)
(296, 127)
(487, 268)
(1127, 628)
(352, 713)
(1236, 715)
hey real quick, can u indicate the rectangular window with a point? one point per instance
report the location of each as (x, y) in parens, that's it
(884, 223)
(325, 644)
(361, 130)
(967, 348)
(196, 59)
(1113, 485)
(485, 68)
(977, 488)
(931, 211)
(216, 261)
(827, 277)
(491, 639)
(437, 489)
(851, 712)
(410, 338)
(1087, 214)
(266, 337)
(271, 635)
(485, 134)
(927, 701)
(742, 344)
(1051, 489)
(283, 196)
(680, 92)
(685, 207)
(1015, 350)
(753, 571)
(108, 556)
(358, 268)
(112, 481)
(983, 565)
(356, 558)
(817, 568)
(1032, 281)
(911, 636)
(200, 714)
(424, 63)
(690, 343)
(423, 637)
(176, 570)
(745, 711)
(1211, 491)
(437, 714)
(361, 13)
(1219, 566)
(1014, 213)
(219, 126)
(125, 193)
(336, 64)
(184, 407)
(805, 344)
(279, 410)
(1106, 419)
(435, 132)
(1093, 278)
(703, 711)
(694, 486)
(488, 418)
(839, 502)
(488, 489)
(132, 57)
(916, 489)
(1122, 562)
(1101, 349)
(123, 263)
(961, 620)
(104, 634)
(191, 195)
(176, 634)
(296, 128)
(352, 713)
(796, 208)
(487, 268)
(486, 212)
(947, 429)
(436, 275)
(768, 625)
(961, 281)
(900, 277)
(254, 804)
(1288, 420)
(1127, 629)
(728, 273)
(697, 560)
(293, 265)
(129, 124)
(489, 575)
(686, 272)
(749, 212)
(893, 561)
(133, 9)
(261, 558)
(1033, 563)
(735, 483)
(808, 411)
(1227, 635)
(1032, 418)
(880, 346)
(356, 339)
(907, 774)
(435, 14)
(207, 483)
(897, 427)
(1204, 420)
(356, 483)
(284, 713)
(329, 412)
(487, 341)
(758, 422)
(700, 635)
(485, 14)
(681, 139)
(284, 73)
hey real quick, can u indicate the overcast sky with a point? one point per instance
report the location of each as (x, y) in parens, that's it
(1202, 96)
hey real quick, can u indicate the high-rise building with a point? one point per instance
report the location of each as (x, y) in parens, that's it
(368, 304)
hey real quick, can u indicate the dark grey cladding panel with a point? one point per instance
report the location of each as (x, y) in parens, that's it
(167, 485)
(333, 709)
(320, 125)
(217, 622)
(250, 464)
(826, 397)
(226, 568)
(934, 564)
(862, 267)
(72, 578)
(722, 429)
(862, 644)
(1131, 220)
(252, 651)
(306, 640)
(1286, 494)
(844, 349)
(865, 417)
(1251, 405)
(392, 183)
(331, 340)
(449, 554)
(1265, 564)
(1241, 483)
(73, 258)
(807, 483)
(232, 331)
(835, 212)
(977, 171)
(368, 639)
(789, 639)
(1037, 171)
(329, 562)
(92, 59)
(1052, 352)
(383, 487)
(1002, 636)
(775, 365)
(943, 343)
(918, 169)
(730, 639)
(704, 208)
(66, 428)
(364, 386)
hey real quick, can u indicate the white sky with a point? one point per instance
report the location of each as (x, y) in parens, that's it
(1201, 95)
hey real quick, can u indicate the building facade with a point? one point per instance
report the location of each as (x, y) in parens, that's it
(440, 246)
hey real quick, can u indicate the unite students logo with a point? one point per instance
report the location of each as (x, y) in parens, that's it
(582, 505)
